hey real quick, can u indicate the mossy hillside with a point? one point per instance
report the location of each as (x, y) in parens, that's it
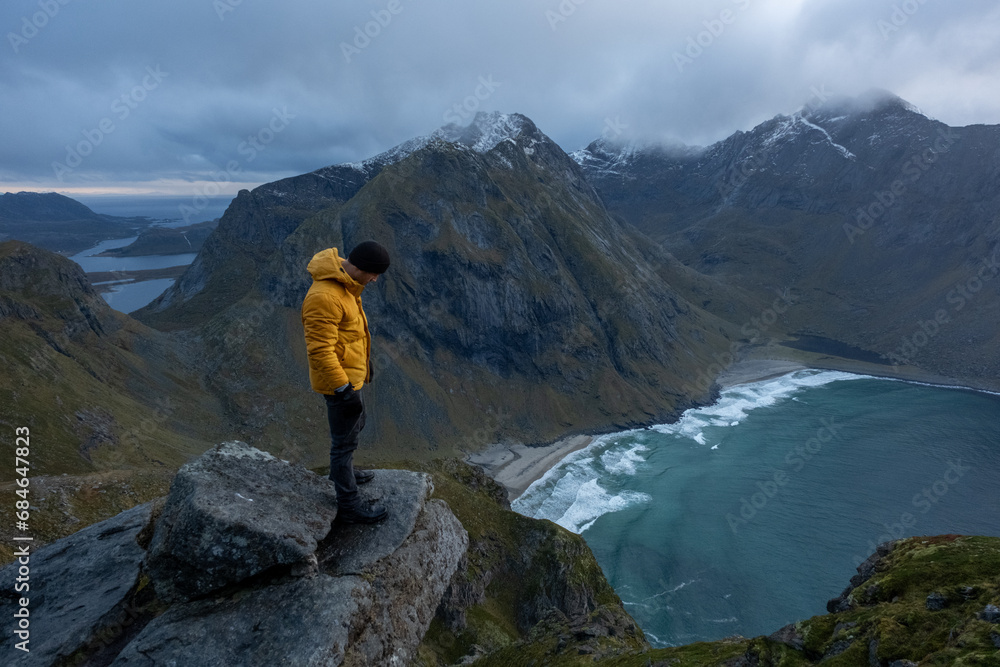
(523, 577)
(83, 411)
(891, 608)
(89, 413)
(64, 504)
(97, 390)
(890, 618)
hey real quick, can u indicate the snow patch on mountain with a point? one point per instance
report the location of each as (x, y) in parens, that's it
(612, 158)
(843, 151)
(796, 124)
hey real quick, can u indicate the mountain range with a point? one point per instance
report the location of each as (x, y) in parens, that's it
(534, 294)
(882, 222)
(59, 223)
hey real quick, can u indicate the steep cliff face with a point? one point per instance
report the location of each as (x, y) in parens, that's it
(512, 292)
(249, 232)
(882, 221)
(522, 579)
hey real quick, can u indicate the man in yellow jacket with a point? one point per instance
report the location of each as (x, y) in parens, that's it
(339, 347)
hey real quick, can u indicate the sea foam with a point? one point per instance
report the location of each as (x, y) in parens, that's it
(571, 495)
(592, 482)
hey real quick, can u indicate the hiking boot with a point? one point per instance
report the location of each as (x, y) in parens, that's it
(363, 476)
(373, 514)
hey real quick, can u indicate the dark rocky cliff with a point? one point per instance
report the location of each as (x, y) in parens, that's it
(883, 222)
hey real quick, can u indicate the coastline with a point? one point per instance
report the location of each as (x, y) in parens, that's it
(517, 467)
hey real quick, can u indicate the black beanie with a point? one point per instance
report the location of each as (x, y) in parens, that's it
(370, 256)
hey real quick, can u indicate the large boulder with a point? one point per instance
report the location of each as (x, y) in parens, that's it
(375, 617)
(306, 621)
(233, 513)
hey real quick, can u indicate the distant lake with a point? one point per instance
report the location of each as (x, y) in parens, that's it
(132, 296)
(92, 264)
(129, 296)
(159, 208)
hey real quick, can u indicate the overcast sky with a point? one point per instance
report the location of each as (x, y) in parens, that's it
(142, 96)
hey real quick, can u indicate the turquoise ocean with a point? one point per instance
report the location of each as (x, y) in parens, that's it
(751, 513)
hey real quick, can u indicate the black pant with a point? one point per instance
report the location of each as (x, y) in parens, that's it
(346, 414)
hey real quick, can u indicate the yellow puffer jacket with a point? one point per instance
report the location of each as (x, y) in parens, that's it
(337, 337)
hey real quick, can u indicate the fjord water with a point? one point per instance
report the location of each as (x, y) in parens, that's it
(126, 296)
(750, 514)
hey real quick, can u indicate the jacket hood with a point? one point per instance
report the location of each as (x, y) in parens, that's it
(326, 265)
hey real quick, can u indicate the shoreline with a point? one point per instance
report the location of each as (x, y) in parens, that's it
(516, 467)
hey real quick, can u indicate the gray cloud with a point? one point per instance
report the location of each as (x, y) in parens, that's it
(689, 71)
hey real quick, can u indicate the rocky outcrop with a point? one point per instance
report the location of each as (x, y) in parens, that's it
(78, 588)
(373, 614)
(108, 392)
(524, 583)
(846, 600)
(353, 595)
(232, 514)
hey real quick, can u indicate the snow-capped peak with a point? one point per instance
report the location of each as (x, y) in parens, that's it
(842, 106)
(486, 131)
(483, 134)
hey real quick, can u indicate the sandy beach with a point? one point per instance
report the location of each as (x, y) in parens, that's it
(756, 370)
(518, 466)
